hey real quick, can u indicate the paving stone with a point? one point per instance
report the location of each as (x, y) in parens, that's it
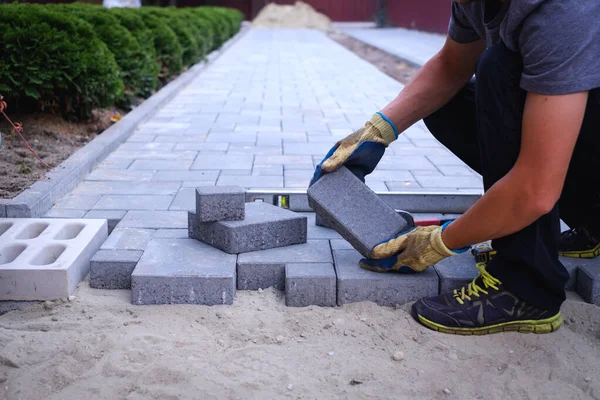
(340, 244)
(202, 146)
(266, 268)
(319, 232)
(171, 234)
(220, 203)
(264, 227)
(114, 187)
(128, 239)
(119, 175)
(77, 201)
(183, 271)
(154, 219)
(111, 269)
(163, 165)
(440, 160)
(355, 284)
(574, 268)
(310, 285)
(248, 181)
(186, 176)
(64, 213)
(364, 221)
(3, 207)
(113, 217)
(588, 280)
(405, 163)
(223, 162)
(456, 271)
(451, 182)
(455, 170)
(133, 202)
(320, 221)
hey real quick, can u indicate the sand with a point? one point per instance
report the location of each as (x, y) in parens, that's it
(99, 346)
(299, 15)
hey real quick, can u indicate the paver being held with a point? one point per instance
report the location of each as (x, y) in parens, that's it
(355, 284)
(350, 207)
(183, 271)
(264, 227)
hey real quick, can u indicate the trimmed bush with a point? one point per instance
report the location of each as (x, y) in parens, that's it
(150, 66)
(128, 53)
(54, 62)
(203, 30)
(185, 34)
(219, 25)
(169, 52)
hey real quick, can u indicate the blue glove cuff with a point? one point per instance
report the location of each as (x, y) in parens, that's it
(459, 251)
(386, 119)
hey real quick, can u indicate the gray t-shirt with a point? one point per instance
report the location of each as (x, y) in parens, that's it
(559, 40)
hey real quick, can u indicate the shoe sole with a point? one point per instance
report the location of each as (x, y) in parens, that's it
(532, 326)
(592, 253)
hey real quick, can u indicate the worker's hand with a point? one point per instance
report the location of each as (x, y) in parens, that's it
(361, 151)
(412, 251)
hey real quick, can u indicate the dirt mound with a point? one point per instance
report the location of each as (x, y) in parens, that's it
(300, 15)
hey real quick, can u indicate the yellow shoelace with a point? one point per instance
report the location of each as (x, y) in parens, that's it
(473, 289)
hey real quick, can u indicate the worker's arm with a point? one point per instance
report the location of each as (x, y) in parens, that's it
(436, 83)
(551, 125)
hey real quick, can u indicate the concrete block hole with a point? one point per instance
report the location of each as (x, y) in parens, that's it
(48, 255)
(32, 231)
(69, 232)
(4, 226)
(10, 253)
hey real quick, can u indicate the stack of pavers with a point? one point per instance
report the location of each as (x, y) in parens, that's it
(225, 235)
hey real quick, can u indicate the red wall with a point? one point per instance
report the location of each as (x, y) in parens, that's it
(341, 10)
(424, 15)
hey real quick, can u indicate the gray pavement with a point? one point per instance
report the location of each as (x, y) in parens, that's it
(414, 46)
(261, 117)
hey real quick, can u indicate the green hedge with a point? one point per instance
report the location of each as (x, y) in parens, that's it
(77, 57)
(54, 62)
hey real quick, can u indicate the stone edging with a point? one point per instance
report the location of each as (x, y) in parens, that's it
(36, 200)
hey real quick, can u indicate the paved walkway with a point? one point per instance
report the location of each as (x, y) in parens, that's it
(261, 117)
(415, 46)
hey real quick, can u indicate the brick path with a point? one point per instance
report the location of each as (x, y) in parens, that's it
(261, 117)
(415, 46)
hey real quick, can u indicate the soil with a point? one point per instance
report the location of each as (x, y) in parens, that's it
(101, 346)
(393, 66)
(53, 139)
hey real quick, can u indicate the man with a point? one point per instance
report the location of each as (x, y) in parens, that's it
(529, 123)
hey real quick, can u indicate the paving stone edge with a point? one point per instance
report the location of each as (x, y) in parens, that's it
(36, 200)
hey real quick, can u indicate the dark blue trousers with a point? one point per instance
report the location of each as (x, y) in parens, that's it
(482, 126)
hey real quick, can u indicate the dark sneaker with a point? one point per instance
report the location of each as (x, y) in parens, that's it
(578, 243)
(483, 307)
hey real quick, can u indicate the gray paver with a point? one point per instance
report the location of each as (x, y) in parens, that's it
(220, 203)
(310, 284)
(133, 202)
(456, 271)
(574, 268)
(113, 217)
(248, 181)
(119, 175)
(171, 234)
(111, 269)
(223, 162)
(355, 284)
(164, 165)
(64, 213)
(186, 176)
(3, 208)
(365, 221)
(154, 219)
(77, 201)
(320, 221)
(588, 280)
(264, 227)
(266, 268)
(183, 271)
(116, 187)
(128, 239)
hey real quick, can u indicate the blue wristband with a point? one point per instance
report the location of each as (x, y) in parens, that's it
(459, 251)
(389, 122)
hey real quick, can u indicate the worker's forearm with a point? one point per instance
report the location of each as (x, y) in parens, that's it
(506, 208)
(432, 87)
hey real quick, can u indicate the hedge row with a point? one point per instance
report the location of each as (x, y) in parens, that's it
(72, 58)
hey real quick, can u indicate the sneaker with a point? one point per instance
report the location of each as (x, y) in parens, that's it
(483, 307)
(578, 243)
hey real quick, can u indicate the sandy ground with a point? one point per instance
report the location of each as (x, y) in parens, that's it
(100, 346)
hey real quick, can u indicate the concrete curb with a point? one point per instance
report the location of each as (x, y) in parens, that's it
(36, 200)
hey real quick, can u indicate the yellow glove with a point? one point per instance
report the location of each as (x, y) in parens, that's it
(413, 251)
(362, 150)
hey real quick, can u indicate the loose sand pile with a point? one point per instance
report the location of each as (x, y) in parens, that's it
(300, 15)
(99, 346)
